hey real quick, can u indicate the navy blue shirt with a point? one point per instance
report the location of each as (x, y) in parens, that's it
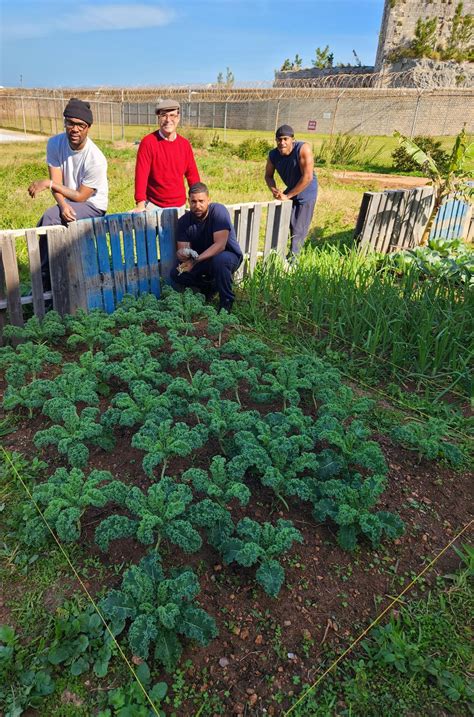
(200, 233)
(288, 167)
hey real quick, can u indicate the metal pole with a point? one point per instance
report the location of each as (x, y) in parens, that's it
(277, 115)
(213, 115)
(412, 131)
(112, 121)
(225, 122)
(23, 114)
(122, 115)
(39, 116)
(199, 114)
(98, 118)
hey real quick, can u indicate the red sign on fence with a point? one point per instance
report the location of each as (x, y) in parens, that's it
(311, 125)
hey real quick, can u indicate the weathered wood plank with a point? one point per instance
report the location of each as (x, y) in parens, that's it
(152, 252)
(271, 229)
(117, 262)
(167, 232)
(86, 239)
(381, 220)
(3, 295)
(242, 240)
(254, 236)
(426, 200)
(58, 269)
(77, 281)
(131, 273)
(32, 242)
(366, 237)
(284, 228)
(138, 219)
(12, 280)
(103, 258)
(396, 198)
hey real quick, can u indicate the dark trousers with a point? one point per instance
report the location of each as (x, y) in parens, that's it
(52, 217)
(214, 273)
(301, 216)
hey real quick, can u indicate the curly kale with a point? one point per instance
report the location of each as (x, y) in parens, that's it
(89, 366)
(90, 328)
(229, 374)
(252, 350)
(341, 403)
(217, 484)
(223, 418)
(215, 518)
(166, 439)
(136, 310)
(133, 340)
(26, 361)
(68, 389)
(429, 440)
(67, 494)
(282, 381)
(69, 438)
(159, 609)
(30, 396)
(189, 348)
(159, 514)
(217, 322)
(46, 330)
(184, 306)
(349, 505)
(262, 544)
(139, 367)
(139, 406)
(199, 387)
(352, 443)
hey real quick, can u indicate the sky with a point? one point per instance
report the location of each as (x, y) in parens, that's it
(56, 43)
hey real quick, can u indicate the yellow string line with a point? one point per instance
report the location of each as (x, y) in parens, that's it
(371, 389)
(377, 619)
(80, 581)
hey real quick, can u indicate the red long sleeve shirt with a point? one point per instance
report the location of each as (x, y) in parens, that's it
(160, 170)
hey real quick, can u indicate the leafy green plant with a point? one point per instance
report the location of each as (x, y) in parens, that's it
(138, 367)
(166, 439)
(131, 701)
(159, 514)
(71, 436)
(262, 544)
(252, 350)
(160, 610)
(90, 328)
(131, 340)
(222, 418)
(136, 310)
(352, 443)
(403, 162)
(253, 148)
(26, 361)
(229, 374)
(217, 484)
(429, 440)
(141, 404)
(218, 321)
(49, 329)
(81, 640)
(30, 396)
(349, 505)
(200, 386)
(188, 348)
(24, 681)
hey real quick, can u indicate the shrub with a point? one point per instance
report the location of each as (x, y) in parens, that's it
(253, 148)
(403, 162)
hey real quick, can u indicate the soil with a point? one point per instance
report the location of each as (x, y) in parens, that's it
(329, 597)
(386, 181)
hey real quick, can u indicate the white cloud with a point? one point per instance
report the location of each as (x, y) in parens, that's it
(93, 18)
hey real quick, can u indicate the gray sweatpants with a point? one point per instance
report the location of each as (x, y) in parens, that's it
(301, 215)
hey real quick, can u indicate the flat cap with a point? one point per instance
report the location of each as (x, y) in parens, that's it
(285, 131)
(166, 106)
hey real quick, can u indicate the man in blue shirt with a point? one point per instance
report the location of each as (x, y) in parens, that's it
(295, 164)
(207, 248)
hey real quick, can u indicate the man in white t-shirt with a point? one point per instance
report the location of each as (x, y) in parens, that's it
(77, 175)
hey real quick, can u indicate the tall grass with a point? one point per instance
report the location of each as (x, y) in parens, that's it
(395, 326)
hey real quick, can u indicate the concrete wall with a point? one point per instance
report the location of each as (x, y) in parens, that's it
(400, 18)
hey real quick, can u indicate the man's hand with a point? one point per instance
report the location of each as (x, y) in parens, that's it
(67, 213)
(140, 207)
(39, 186)
(283, 196)
(275, 192)
(186, 266)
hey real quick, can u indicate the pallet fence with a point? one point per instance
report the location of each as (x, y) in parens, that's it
(95, 262)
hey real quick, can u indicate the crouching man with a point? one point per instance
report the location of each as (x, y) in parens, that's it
(207, 248)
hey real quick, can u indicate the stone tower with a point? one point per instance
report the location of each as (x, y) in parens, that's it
(400, 18)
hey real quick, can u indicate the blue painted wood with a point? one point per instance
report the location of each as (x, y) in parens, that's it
(103, 255)
(151, 219)
(131, 274)
(168, 220)
(138, 220)
(90, 264)
(449, 222)
(113, 223)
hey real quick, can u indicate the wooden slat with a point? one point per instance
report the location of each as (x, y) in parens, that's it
(131, 273)
(283, 228)
(152, 252)
(400, 218)
(254, 235)
(103, 258)
(381, 221)
(138, 219)
(385, 238)
(117, 261)
(366, 199)
(58, 269)
(32, 242)
(167, 233)
(3, 296)
(426, 203)
(271, 229)
(242, 239)
(367, 239)
(12, 279)
(87, 244)
(77, 281)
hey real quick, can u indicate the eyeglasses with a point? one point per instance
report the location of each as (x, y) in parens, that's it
(80, 125)
(168, 115)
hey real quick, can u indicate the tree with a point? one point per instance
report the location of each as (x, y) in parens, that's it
(324, 58)
(229, 78)
(446, 180)
(220, 79)
(297, 62)
(286, 66)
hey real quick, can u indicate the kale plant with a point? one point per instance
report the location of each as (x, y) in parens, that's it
(46, 330)
(26, 361)
(136, 310)
(133, 340)
(349, 505)
(160, 610)
(352, 443)
(217, 484)
(262, 544)
(70, 438)
(252, 350)
(223, 418)
(189, 348)
(200, 386)
(159, 514)
(66, 495)
(228, 374)
(30, 396)
(138, 367)
(428, 439)
(166, 439)
(217, 322)
(215, 518)
(90, 328)
(282, 381)
(141, 404)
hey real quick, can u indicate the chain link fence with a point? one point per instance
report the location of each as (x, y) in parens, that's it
(324, 110)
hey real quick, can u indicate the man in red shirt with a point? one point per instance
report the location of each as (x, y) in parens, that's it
(164, 158)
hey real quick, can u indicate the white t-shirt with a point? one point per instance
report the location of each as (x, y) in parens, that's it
(86, 166)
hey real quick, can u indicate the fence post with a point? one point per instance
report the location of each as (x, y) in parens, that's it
(225, 122)
(122, 116)
(412, 131)
(23, 114)
(98, 118)
(112, 121)
(335, 112)
(277, 114)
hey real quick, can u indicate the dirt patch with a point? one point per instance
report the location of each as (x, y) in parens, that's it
(385, 181)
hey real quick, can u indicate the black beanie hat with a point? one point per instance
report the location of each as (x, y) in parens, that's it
(79, 109)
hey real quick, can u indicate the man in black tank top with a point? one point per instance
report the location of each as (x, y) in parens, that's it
(295, 164)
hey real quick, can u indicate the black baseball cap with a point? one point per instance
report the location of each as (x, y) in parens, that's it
(285, 131)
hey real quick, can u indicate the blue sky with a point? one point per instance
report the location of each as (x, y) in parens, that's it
(53, 43)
